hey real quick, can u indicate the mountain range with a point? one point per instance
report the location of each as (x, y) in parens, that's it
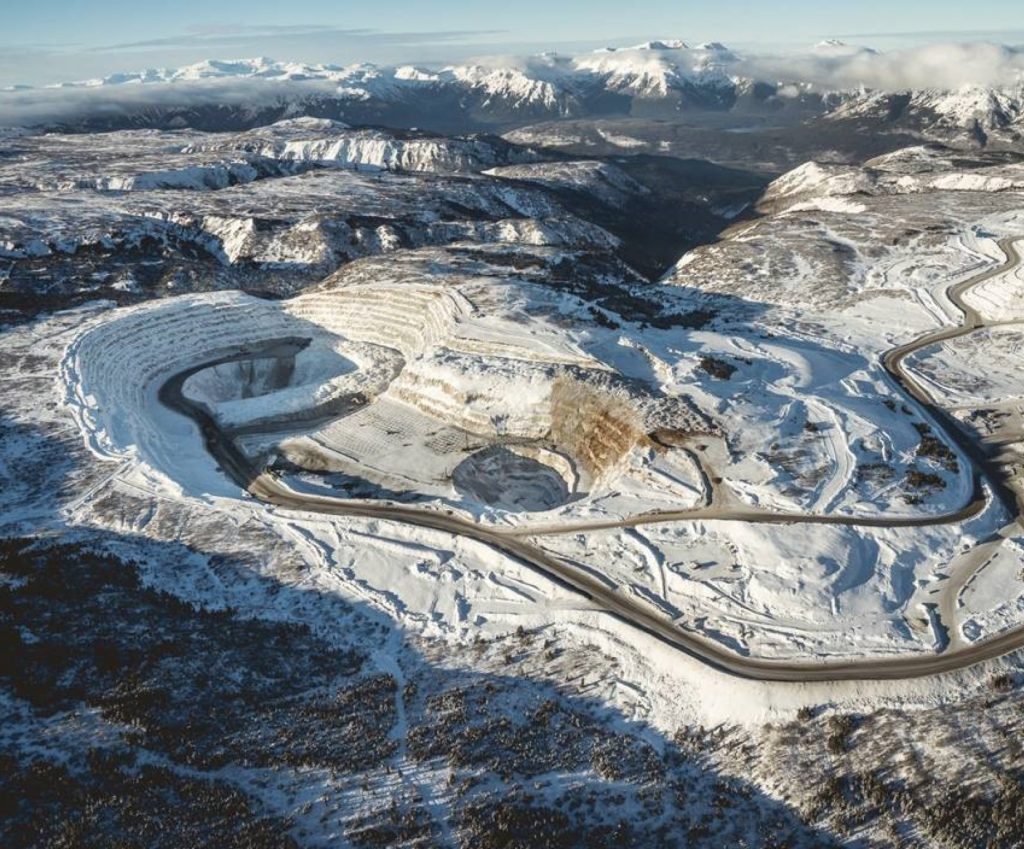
(658, 80)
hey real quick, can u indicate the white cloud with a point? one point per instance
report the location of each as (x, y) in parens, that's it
(945, 66)
(29, 107)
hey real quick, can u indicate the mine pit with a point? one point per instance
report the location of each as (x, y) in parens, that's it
(507, 479)
(243, 379)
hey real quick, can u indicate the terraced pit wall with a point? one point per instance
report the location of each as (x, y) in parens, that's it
(410, 319)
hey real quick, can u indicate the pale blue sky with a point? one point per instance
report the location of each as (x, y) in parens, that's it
(56, 40)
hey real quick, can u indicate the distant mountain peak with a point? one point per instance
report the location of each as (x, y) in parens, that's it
(663, 44)
(834, 47)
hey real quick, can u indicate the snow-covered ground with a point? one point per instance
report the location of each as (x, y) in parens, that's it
(800, 422)
(300, 195)
(472, 379)
(874, 285)
(976, 370)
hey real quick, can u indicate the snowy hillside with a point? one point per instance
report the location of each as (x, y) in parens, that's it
(978, 111)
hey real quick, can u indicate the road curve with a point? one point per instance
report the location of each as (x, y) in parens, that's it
(606, 595)
(983, 457)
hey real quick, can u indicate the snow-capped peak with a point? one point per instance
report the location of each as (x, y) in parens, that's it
(653, 69)
(834, 48)
(512, 86)
(222, 68)
(410, 72)
(665, 44)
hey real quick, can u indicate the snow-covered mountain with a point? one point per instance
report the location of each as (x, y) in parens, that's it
(663, 78)
(216, 69)
(978, 111)
(647, 69)
(658, 68)
(546, 83)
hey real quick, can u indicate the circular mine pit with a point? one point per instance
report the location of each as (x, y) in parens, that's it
(508, 480)
(255, 377)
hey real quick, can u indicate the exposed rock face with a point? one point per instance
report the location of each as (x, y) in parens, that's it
(598, 428)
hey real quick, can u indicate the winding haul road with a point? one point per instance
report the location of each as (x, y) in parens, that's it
(608, 596)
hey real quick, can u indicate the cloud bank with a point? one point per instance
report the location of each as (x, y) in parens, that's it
(943, 66)
(35, 107)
